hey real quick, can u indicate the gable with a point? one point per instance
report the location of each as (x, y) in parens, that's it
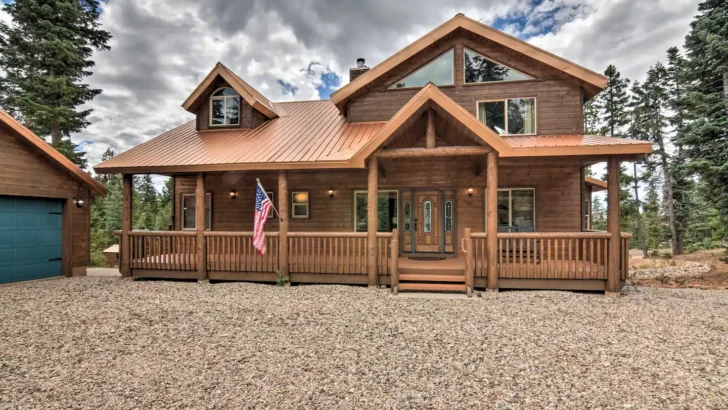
(591, 81)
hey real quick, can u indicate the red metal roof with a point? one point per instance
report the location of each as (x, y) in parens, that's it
(572, 140)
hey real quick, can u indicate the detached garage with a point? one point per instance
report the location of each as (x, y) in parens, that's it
(45, 208)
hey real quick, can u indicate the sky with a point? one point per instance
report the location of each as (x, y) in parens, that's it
(302, 49)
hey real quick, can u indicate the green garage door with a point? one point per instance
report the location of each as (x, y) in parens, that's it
(30, 238)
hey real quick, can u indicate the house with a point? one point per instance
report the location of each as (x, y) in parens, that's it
(45, 208)
(467, 148)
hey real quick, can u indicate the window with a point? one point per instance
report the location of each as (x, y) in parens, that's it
(189, 212)
(448, 216)
(224, 107)
(439, 71)
(271, 195)
(386, 211)
(587, 214)
(407, 217)
(428, 216)
(299, 205)
(514, 116)
(479, 69)
(516, 209)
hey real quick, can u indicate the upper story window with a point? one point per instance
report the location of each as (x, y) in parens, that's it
(512, 116)
(439, 71)
(224, 107)
(479, 69)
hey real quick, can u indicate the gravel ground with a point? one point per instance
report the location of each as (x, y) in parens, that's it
(98, 343)
(681, 269)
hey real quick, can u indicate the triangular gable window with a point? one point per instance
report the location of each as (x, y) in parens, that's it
(439, 71)
(479, 69)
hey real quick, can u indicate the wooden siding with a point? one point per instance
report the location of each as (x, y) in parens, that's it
(24, 172)
(248, 117)
(558, 98)
(558, 199)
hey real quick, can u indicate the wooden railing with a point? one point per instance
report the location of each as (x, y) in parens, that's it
(328, 252)
(384, 255)
(163, 250)
(234, 252)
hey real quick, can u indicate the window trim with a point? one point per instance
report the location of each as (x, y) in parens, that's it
(183, 210)
(391, 87)
(293, 205)
(530, 78)
(535, 113)
(360, 191)
(224, 98)
(510, 208)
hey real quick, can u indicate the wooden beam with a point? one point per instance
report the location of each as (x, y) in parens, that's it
(200, 224)
(613, 226)
(372, 187)
(126, 216)
(492, 221)
(432, 152)
(469, 261)
(430, 131)
(583, 192)
(381, 171)
(283, 227)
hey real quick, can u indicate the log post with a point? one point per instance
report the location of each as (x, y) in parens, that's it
(469, 262)
(613, 226)
(372, 219)
(430, 131)
(200, 224)
(394, 256)
(492, 221)
(126, 215)
(283, 227)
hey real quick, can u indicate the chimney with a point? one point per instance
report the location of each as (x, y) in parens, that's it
(360, 69)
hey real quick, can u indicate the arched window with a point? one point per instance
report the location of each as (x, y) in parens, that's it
(448, 216)
(428, 216)
(407, 216)
(224, 107)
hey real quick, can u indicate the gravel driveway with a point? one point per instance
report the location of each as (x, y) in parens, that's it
(97, 343)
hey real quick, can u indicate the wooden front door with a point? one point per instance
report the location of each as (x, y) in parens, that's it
(428, 224)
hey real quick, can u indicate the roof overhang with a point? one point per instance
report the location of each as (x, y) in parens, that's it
(591, 78)
(249, 94)
(596, 184)
(27, 137)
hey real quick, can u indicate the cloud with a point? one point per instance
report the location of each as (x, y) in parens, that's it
(302, 49)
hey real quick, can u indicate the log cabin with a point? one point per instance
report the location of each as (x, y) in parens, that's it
(45, 208)
(467, 148)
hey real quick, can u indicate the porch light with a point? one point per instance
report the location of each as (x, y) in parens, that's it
(78, 202)
(470, 191)
(233, 194)
(331, 192)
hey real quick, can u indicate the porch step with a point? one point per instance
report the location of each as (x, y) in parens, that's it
(431, 270)
(411, 277)
(450, 287)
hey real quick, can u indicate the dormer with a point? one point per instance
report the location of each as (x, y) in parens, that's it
(224, 101)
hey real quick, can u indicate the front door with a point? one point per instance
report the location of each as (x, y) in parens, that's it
(428, 224)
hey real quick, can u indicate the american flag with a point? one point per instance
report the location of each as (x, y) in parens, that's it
(263, 206)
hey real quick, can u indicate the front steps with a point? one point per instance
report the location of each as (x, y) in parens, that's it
(431, 276)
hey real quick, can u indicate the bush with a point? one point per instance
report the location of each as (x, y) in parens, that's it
(98, 259)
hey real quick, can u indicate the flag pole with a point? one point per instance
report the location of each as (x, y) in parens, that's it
(271, 202)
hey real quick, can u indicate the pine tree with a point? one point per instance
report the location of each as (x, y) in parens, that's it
(148, 204)
(705, 139)
(613, 102)
(636, 131)
(45, 53)
(654, 223)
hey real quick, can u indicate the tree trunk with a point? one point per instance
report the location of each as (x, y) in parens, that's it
(640, 230)
(55, 133)
(669, 199)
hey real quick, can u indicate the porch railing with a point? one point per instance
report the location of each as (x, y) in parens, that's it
(163, 250)
(327, 252)
(234, 252)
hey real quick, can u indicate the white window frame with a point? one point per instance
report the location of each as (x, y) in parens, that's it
(224, 107)
(496, 62)
(293, 205)
(392, 87)
(379, 191)
(510, 208)
(208, 217)
(505, 100)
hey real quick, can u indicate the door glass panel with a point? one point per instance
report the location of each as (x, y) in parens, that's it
(522, 210)
(448, 216)
(428, 216)
(503, 214)
(407, 216)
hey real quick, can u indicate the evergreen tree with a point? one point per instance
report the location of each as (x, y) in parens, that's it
(599, 215)
(654, 223)
(613, 102)
(636, 131)
(705, 140)
(45, 53)
(592, 117)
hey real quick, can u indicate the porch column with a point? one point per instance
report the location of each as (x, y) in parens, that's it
(200, 216)
(492, 220)
(613, 226)
(126, 214)
(430, 132)
(283, 227)
(372, 218)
